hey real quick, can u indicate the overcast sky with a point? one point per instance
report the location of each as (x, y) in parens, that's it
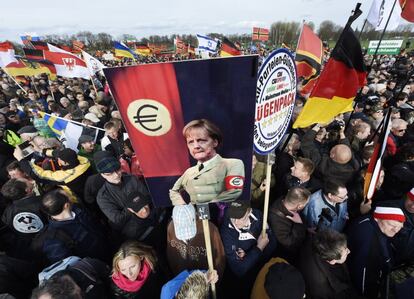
(164, 17)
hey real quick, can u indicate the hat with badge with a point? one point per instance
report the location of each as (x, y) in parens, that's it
(238, 208)
(136, 201)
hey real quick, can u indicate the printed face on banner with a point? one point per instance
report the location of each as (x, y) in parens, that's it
(275, 99)
(157, 101)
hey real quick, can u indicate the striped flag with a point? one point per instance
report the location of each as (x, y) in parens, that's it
(336, 88)
(6, 54)
(375, 163)
(67, 131)
(308, 59)
(121, 50)
(261, 34)
(229, 49)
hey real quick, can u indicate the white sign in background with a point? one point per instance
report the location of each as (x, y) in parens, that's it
(275, 100)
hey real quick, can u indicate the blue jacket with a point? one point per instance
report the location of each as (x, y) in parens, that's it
(234, 239)
(86, 238)
(370, 259)
(313, 210)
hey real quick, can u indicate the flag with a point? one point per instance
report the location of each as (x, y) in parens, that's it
(375, 163)
(308, 58)
(342, 76)
(229, 49)
(67, 64)
(260, 34)
(6, 54)
(407, 10)
(67, 131)
(379, 13)
(29, 67)
(27, 38)
(39, 45)
(142, 49)
(157, 100)
(191, 49)
(93, 64)
(180, 46)
(33, 53)
(206, 43)
(76, 44)
(122, 50)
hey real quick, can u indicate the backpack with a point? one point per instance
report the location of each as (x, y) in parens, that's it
(56, 267)
(49, 233)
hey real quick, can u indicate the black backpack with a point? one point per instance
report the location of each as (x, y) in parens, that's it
(49, 233)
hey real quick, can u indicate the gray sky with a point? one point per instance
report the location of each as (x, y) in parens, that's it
(163, 17)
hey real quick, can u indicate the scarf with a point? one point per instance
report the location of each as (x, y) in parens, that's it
(132, 286)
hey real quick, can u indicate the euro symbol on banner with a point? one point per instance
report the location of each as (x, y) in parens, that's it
(150, 117)
(141, 119)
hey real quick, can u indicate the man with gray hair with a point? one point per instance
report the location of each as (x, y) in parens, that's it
(398, 128)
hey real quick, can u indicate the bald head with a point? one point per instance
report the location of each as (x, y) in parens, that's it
(341, 153)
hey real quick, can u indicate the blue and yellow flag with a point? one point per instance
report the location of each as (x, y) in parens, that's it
(57, 125)
(123, 51)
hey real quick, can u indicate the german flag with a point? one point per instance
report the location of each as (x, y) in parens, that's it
(29, 67)
(33, 53)
(335, 90)
(261, 34)
(39, 45)
(229, 49)
(142, 49)
(374, 167)
(407, 10)
(308, 59)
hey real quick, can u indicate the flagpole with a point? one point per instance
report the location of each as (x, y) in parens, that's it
(374, 57)
(362, 29)
(75, 122)
(14, 80)
(35, 87)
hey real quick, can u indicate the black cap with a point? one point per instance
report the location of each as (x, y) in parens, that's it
(68, 155)
(86, 138)
(238, 208)
(27, 129)
(283, 278)
(136, 201)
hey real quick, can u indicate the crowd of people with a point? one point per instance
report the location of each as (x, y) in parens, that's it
(83, 224)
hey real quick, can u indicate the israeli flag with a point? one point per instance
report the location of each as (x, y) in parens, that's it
(206, 44)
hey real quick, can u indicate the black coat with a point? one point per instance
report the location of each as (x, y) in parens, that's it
(323, 280)
(289, 235)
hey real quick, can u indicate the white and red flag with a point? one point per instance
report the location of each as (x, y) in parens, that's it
(67, 64)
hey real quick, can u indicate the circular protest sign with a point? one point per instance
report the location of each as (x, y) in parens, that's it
(275, 99)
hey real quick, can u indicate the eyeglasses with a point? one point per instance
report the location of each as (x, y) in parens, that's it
(402, 130)
(343, 197)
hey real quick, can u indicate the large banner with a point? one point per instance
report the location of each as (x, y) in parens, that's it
(156, 101)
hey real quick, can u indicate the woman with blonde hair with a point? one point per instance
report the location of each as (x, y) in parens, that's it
(134, 273)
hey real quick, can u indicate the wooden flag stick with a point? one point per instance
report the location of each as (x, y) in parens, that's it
(204, 215)
(267, 193)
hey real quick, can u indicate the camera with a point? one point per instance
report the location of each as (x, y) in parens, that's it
(336, 125)
(325, 218)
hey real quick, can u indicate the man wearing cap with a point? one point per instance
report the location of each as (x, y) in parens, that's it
(186, 249)
(369, 240)
(127, 204)
(214, 178)
(90, 119)
(246, 248)
(72, 174)
(88, 148)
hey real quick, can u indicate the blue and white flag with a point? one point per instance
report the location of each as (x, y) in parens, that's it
(206, 44)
